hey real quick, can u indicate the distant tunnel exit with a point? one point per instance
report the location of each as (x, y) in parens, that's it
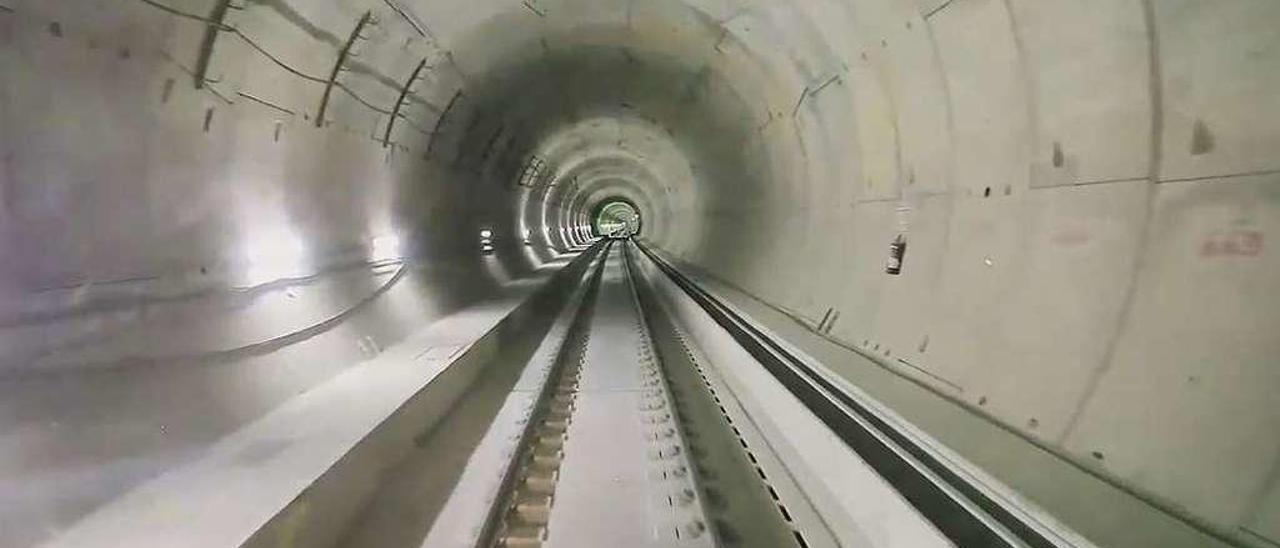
(616, 218)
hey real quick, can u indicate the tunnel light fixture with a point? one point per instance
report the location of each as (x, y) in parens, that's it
(486, 241)
(385, 247)
(897, 252)
(274, 255)
(259, 274)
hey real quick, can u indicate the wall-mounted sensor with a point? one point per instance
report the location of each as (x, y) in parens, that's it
(897, 251)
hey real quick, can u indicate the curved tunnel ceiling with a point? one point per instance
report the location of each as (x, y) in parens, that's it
(1088, 191)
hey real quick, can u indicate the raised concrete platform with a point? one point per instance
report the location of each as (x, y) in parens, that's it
(297, 474)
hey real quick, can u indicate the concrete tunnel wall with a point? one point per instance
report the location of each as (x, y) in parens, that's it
(1088, 191)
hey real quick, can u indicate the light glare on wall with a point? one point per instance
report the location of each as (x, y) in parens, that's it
(385, 247)
(273, 255)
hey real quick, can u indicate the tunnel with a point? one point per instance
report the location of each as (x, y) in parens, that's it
(890, 273)
(616, 217)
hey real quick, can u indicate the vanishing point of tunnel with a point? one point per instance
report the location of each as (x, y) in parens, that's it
(669, 273)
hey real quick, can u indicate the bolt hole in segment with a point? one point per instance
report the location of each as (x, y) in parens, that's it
(629, 449)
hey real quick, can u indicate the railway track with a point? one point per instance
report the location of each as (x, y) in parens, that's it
(622, 448)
